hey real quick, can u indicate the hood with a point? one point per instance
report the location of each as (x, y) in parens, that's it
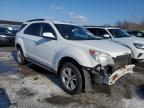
(3, 36)
(106, 46)
(7, 36)
(129, 40)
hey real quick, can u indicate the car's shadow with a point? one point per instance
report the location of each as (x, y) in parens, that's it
(37, 69)
(53, 77)
(4, 99)
(13, 54)
(140, 64)
(140, 91)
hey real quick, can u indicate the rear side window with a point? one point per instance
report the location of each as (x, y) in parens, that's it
(101, 32)
(33, 29)
(92, 30)
(135, 33)
(98, 32)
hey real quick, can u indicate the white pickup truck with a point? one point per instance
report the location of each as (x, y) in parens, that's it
(74, 54)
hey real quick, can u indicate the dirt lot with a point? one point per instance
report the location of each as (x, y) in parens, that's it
(33, 87)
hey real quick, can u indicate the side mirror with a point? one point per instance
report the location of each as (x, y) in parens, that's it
(139, 35)
(48, 35)
(106, 36)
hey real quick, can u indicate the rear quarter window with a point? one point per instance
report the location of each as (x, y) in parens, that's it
(22, 27)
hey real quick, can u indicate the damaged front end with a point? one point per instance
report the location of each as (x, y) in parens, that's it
(110, 73)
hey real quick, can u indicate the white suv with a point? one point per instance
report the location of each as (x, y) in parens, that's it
(136, 44)
(73, 53)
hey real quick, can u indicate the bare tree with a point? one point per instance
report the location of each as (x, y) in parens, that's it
(119, 24)
(130, 25)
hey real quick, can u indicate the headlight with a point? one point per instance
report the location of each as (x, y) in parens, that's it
(101, 57)
(139, 45)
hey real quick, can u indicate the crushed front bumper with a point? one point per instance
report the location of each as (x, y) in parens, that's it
(110, 80)
(107, 76)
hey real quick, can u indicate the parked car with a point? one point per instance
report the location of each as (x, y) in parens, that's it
(74, 54)
(14, 32)
(6, 37)
(136, 33)
(118, 35)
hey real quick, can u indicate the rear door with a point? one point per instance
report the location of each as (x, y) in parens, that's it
(31, 35)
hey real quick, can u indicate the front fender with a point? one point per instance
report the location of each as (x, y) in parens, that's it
(128, 46)
(82, 57)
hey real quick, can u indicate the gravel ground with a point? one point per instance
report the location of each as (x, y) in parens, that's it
(33, 87)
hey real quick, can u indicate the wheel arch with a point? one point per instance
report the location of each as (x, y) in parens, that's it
(20, 45)
(73, 61)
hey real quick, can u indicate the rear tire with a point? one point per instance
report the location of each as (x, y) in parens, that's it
(20, 57)
(71, 78)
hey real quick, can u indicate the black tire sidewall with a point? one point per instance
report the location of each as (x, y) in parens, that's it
(78, 75)
(23, 61)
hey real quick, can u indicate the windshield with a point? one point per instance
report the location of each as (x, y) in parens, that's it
(4, 31)
(138, 33)
(118, 33)
(73, 32)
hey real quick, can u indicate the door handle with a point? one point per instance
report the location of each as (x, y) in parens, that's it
(36, 41)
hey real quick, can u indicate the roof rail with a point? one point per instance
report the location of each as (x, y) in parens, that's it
(89, 26)
(35, 20)
(98, 26)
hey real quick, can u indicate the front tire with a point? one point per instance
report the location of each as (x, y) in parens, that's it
(20, 57)
(71, 78)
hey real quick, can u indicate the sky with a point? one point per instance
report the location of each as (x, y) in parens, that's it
(93, 12)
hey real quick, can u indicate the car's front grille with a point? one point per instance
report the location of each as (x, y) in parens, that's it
(122, 61)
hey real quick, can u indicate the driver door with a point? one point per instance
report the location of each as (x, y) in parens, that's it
(45, 47)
